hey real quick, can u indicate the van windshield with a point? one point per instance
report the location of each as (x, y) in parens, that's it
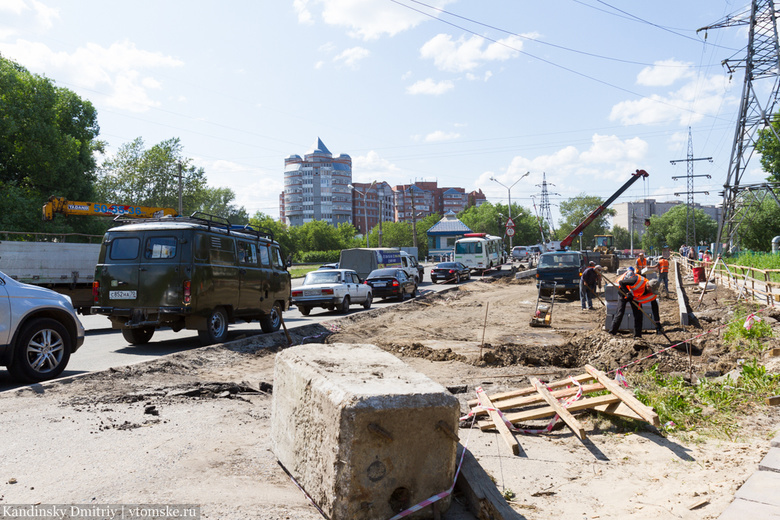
(468, 248)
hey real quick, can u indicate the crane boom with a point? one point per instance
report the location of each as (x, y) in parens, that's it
(566, 242)
(66, 207)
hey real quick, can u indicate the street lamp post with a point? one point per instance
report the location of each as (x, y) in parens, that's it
(365, 206)
(509, 197)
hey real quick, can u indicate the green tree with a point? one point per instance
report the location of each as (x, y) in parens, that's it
(769, 148)
(575, 210)
(279, 230)
(150, 177)
(491, 218)
(669, 229)
(317, 236)
(764, 224)
(623, 238)
(394, 234)
(48, 138)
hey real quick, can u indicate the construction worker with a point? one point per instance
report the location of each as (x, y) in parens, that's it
(588, 284)
(641, 263)
(663, 272)
(634, 290)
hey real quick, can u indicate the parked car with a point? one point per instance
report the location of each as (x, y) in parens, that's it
(391, 283)
(520, 253)
(450, 272)
(198, 273)
(39, 330)
(332, 289)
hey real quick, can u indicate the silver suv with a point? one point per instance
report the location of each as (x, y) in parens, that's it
(39, 330)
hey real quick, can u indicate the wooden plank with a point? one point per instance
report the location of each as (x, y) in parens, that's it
(532, 391)
(632, 402)
(499, 423)
(547, 411)
(619, 409)
(483, 498)
(562, 412)
(773, 401)
(775, 352)
(517, 402)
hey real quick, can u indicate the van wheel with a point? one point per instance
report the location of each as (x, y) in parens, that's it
(344, 307)
(304, 310)
(217, 327)
(273, 320)
(42, 352)
(138, 336)
(369, 300)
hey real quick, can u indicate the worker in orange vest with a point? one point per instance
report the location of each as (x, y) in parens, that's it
(663, 273)
(641, 263)
(634, 290)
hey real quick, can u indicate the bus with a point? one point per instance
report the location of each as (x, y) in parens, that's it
(480, 251)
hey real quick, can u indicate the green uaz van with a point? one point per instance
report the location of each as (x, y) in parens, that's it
(198, 272)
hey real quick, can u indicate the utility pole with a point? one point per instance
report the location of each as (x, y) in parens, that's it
(180, 189)
(690, 208)
(544, 205)
(509, 198)
(381, 196)
(414, 218)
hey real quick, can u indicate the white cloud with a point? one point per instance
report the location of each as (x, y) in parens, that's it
(304, 15)
(14, 6)
(351, 57)
(428, 86)
(467, 54)
(115, 70)
(370, 167)
(689, 104)
(439, 136)
(365, 20)
(255, 189)
(45, 15)
(664, 73)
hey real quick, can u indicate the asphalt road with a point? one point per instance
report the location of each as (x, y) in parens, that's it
(104, 347)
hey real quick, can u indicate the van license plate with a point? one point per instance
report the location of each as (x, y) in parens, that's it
(122, 295)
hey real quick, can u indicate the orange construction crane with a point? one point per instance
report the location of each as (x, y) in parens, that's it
(101, 209)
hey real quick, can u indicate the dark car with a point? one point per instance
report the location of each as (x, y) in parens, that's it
(391, 283)
(450, 272)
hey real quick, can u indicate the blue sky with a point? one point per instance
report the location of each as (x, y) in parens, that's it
(458, 92)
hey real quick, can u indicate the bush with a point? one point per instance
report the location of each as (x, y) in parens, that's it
(318, 257)
(746, 339)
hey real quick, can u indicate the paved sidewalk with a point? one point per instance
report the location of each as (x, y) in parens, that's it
(758, 498)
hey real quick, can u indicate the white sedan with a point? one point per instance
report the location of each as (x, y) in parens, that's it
(332, 289)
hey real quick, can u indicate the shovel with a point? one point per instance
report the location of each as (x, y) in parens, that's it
(622, 293)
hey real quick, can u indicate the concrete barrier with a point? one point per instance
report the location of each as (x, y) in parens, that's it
(361, 432)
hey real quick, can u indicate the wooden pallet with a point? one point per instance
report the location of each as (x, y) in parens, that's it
(540, 401)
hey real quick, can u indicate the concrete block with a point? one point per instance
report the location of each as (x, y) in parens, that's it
(364, 434)
(627, 324)
(771, 462)
(761, 487)
(775, 442)
(741, 509)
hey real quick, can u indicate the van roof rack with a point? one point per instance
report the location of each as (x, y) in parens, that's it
(207, 219)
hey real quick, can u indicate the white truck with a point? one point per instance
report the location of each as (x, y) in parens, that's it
(63, 267)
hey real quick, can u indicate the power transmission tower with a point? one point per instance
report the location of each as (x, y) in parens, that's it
(761, 65)
(544, 205)
(690, 213)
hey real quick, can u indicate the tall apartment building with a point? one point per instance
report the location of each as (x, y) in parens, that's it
(646, 208)
(319, 187)
(316, 187)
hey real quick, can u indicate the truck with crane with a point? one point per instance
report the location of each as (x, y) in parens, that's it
(65, 267)
(565, 269)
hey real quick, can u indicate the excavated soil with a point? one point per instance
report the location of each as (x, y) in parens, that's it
(194, 427)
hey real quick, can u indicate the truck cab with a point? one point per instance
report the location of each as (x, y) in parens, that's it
(561, 267)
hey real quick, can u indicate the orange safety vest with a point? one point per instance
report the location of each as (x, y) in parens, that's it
(641, 263)
(663, 265)
(638, 290)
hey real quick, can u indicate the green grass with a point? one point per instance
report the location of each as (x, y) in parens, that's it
(710, 408)
(759, 261)
(713, 407)
(300, 271)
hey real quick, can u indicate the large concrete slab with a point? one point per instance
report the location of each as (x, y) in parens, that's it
(762, 488)
(742, 509)
(776, 442)
(771, 462)
(364, 434)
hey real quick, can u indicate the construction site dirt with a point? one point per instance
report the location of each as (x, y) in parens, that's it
(194, 427)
